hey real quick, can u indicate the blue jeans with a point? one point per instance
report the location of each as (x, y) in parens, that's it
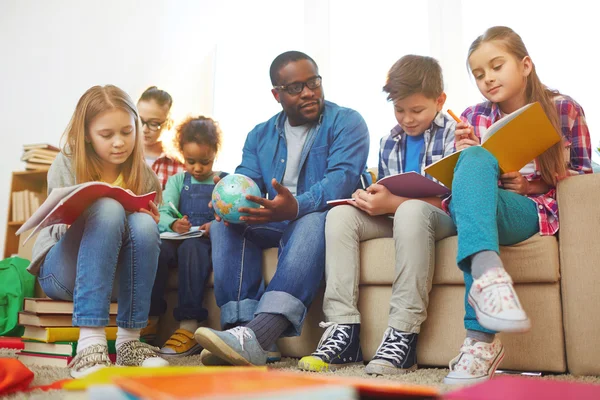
(237, 262)
(485, 215)
(103, 242)
(192, 259)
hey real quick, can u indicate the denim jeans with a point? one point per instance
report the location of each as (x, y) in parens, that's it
(106, 254)
(237, 262)
(192, 259)
(485, 215)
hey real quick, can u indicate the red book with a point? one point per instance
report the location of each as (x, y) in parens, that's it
(7, 342)
(64, 205)
(518, 388)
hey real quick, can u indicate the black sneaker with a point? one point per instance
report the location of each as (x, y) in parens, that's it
(397, 354)
(339, 347)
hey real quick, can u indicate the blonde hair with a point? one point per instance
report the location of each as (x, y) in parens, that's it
(137, 175)
(551, 162)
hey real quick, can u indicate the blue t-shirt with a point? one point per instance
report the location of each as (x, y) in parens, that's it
(412, 157)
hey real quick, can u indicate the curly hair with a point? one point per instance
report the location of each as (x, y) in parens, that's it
(199, 130)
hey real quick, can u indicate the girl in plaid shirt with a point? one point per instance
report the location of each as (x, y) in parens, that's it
(487, 214)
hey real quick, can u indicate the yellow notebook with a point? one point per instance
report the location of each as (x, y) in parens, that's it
(60, 334)
(514, 140)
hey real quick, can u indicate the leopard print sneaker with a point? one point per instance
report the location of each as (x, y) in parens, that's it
(89, 360)
(137, 354)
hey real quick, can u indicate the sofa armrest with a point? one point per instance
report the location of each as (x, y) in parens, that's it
(579, 244)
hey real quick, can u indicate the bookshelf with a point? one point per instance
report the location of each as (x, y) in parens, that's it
(35, 180)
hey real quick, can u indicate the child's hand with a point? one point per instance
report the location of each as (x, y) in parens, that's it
(206, 229)
(376, 200)
(464, 136)
(515, 182)
(181, 225)
(153, 211)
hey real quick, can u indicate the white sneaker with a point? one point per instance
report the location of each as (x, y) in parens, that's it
(496, 304)
(476, 362)
(89, 360)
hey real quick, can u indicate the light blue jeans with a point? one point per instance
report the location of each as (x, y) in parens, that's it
(237, 263)
(485, 215)
(103, 242)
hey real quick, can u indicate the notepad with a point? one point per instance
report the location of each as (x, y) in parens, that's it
(194, 231)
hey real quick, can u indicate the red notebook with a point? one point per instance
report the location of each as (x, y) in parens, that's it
(412, 185)
(64, 205)
(7, 342)
(518, 388)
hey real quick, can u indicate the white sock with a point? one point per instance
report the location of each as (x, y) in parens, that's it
(90, 335)
(189, 325)
(126, 335)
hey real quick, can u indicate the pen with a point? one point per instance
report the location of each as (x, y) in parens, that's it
(362, 181)
(458, 120)
(176, 210)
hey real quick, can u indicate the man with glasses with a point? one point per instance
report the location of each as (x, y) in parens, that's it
(311, 152)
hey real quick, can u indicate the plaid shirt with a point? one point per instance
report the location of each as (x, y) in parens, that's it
(165, 166)
(439, 142)
(577, 137)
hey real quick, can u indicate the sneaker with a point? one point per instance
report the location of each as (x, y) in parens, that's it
(138, 354)
(209, 359)
(180, 344)
(237, 346)
(339, 347)
(476, 362)
(89, 360)
(397, 354)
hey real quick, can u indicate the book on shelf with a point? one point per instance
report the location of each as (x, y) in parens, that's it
(64, 205)
(193, 232)
(60, 334)
(31, 166)
(42, 154)
(51, 320)
(515, 140)
(50, 306)
(45, 146)
(45, 360)
(58, 348)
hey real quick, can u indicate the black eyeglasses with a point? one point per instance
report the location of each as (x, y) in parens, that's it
(153, 126)
(297, 87)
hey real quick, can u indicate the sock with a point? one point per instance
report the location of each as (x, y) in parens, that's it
(126, 335)
(189, 325)
(268, 328)
(481, 336)
(90, 335)
(483, 262)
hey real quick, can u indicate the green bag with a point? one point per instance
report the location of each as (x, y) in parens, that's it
(15, 284)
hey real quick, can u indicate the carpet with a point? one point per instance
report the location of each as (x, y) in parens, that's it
(424, 376)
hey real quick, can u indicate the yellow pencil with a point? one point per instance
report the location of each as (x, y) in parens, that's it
(454, 116)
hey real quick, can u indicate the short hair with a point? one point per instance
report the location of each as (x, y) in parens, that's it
(199, 130)
(414, 74)
(161, 97)
(284, 59)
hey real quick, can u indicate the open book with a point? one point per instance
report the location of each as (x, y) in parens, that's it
(64, 205)
(514, 140)
(192, 233)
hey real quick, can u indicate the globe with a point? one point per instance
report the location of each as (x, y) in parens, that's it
(229, 195)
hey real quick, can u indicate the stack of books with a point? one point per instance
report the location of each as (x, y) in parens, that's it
(24, 204)
(39, 156)
(49, 338)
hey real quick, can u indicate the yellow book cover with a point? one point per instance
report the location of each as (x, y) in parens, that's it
(514, 140)
(60, 334)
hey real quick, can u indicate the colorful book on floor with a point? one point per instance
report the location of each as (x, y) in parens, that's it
(7, 342)
(514, 140)
(36, 359)
(60, 334)
(52, 320)
(58, 348)
(193, 232)
(49, 306)
(64, 205)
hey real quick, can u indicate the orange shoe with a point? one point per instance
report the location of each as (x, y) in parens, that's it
(180, 344)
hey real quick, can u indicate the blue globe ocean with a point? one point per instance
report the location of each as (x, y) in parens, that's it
(229, 195)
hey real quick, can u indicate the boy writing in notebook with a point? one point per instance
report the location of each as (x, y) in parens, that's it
(423, 135)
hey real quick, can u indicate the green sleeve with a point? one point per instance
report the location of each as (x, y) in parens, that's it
(171, 193)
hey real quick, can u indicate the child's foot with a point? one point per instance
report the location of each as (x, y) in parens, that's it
(89, 360)
(496, 304)
(339, 347)
(476, 362)
(209, 359)
(138, 354)
(149, 332)
(397, 354)
(180, 344)
(237, 346)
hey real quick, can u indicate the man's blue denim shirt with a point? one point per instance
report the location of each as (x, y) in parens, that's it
(333, 158)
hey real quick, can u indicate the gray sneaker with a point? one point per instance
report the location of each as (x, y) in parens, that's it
(238, 346)
(209, 359)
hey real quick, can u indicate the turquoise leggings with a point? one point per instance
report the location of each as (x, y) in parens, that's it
(485, 215)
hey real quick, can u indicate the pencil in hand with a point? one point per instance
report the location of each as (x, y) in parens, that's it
(458, 121)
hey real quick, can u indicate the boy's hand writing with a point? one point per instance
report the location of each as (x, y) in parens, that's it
(153, 211)
(181, 225)
(376, 200)
(465, 136)
(283, 207)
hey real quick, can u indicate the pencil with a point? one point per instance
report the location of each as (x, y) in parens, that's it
(454, 116)
(176, 210)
